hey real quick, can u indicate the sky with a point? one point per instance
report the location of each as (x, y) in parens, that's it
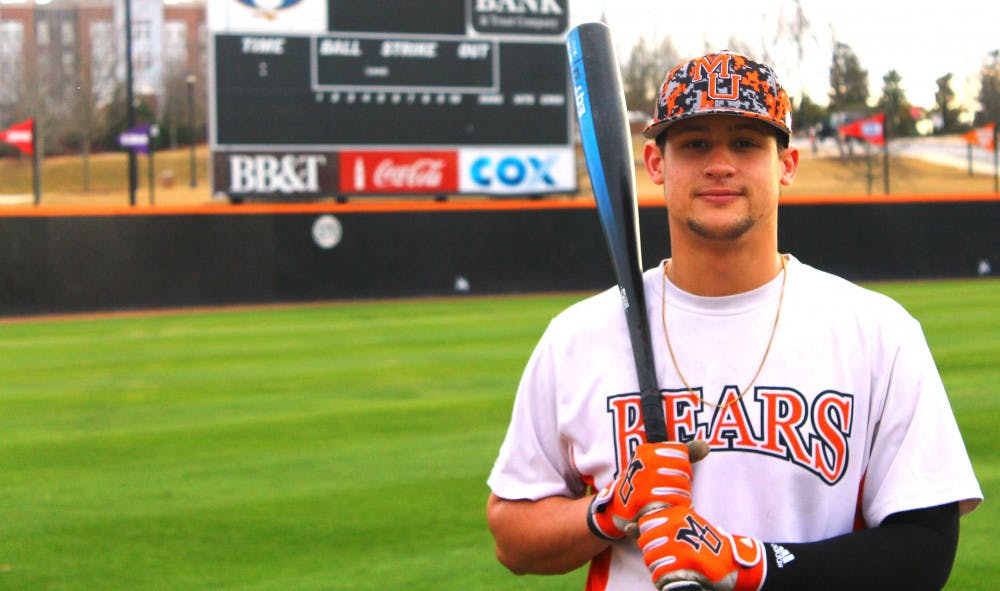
(921, 40)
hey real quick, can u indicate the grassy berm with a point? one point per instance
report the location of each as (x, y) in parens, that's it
(103, 181)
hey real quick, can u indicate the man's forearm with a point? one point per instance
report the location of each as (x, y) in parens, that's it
(548, 536)
(912, 550)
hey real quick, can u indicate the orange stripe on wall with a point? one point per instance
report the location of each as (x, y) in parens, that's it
(901, 198)
(434, 206)
(291, 208)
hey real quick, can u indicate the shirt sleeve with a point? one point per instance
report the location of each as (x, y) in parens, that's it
(534, 460)
(918, 458)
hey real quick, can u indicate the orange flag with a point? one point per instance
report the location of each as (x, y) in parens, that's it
(870, 129)
(981, 136)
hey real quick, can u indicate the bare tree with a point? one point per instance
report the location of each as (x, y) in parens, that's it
(644, 71)
(989, 90)
(799, 30)
(848, 81)
(182, 107)
(738, 45)
(895, 105)
(943, 99)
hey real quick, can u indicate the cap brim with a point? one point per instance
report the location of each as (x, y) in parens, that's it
(654, 130)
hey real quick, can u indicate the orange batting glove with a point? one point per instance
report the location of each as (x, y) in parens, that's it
(680, 548)
(659, 475)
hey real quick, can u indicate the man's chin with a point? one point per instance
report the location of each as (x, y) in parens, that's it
(731, 230)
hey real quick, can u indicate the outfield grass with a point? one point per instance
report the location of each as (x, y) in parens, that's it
(326, 447)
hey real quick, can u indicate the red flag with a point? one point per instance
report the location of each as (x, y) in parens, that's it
(20, 135)
(870, 129)
(981, 136)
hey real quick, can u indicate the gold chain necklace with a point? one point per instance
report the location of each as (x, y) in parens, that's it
(673, 358)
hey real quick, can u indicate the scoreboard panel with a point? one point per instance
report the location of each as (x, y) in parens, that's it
(410, 16)
(393, 75)
(292, 95)
(402, 63)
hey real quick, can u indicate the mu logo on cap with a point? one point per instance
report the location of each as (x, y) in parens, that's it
(716, 67)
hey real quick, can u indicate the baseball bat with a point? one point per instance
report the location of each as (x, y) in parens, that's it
(607, 148)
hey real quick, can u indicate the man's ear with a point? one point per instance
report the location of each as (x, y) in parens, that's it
(653, 158)
(789, 164)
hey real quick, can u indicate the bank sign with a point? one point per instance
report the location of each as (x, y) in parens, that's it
(350, 173)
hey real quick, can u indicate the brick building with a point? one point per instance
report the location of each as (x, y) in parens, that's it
(62, 60)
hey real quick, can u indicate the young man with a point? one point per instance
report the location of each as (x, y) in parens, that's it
(835, 458)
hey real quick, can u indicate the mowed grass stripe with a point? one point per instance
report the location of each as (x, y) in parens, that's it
(325, 447)
(961, 320)
(275, 449)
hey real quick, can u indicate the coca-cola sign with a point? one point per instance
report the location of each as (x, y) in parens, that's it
(398, 172)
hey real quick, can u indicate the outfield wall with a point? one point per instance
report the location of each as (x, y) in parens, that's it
(65, 261)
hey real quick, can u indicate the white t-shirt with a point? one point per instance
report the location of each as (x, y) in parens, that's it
(847, 423)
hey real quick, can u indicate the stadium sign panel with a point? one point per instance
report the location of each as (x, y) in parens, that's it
(284, 175)
(321, 98)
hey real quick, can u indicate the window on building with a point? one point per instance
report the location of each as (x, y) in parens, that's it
(67, 33)
(11, 59)
(103, 60)
(175, 41)
(42, 33)
(142, 31)
(69, 66)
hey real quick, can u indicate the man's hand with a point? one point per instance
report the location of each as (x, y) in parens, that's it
(659, 475)
(679, 546)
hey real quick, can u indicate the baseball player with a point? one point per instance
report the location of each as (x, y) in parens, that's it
(834, 460)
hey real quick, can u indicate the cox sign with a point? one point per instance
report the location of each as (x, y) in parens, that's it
(515, 171)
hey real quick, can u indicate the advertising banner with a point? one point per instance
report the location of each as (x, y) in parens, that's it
(517, 171)
(275, 174)
(386, 173)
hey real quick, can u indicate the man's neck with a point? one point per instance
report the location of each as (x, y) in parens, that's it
(724, 270)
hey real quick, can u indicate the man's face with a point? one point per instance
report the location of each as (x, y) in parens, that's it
(721, 176)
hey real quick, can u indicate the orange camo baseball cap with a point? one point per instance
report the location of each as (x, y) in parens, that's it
(723, 83)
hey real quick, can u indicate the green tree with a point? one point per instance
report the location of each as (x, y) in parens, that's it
(808, 114)
(644, 70)
(989, 90)
(943, 98)
(893, 102)
(848, 81)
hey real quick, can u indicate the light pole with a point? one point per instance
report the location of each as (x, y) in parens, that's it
(133, 167)
(191, 79)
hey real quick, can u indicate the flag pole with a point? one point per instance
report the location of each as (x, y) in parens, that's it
(868, 161)
(996, 160)
(36, 168)
(885, 152)
(133, 169)
(153, 132)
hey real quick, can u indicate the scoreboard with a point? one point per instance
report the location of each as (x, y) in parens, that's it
(315, 98)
